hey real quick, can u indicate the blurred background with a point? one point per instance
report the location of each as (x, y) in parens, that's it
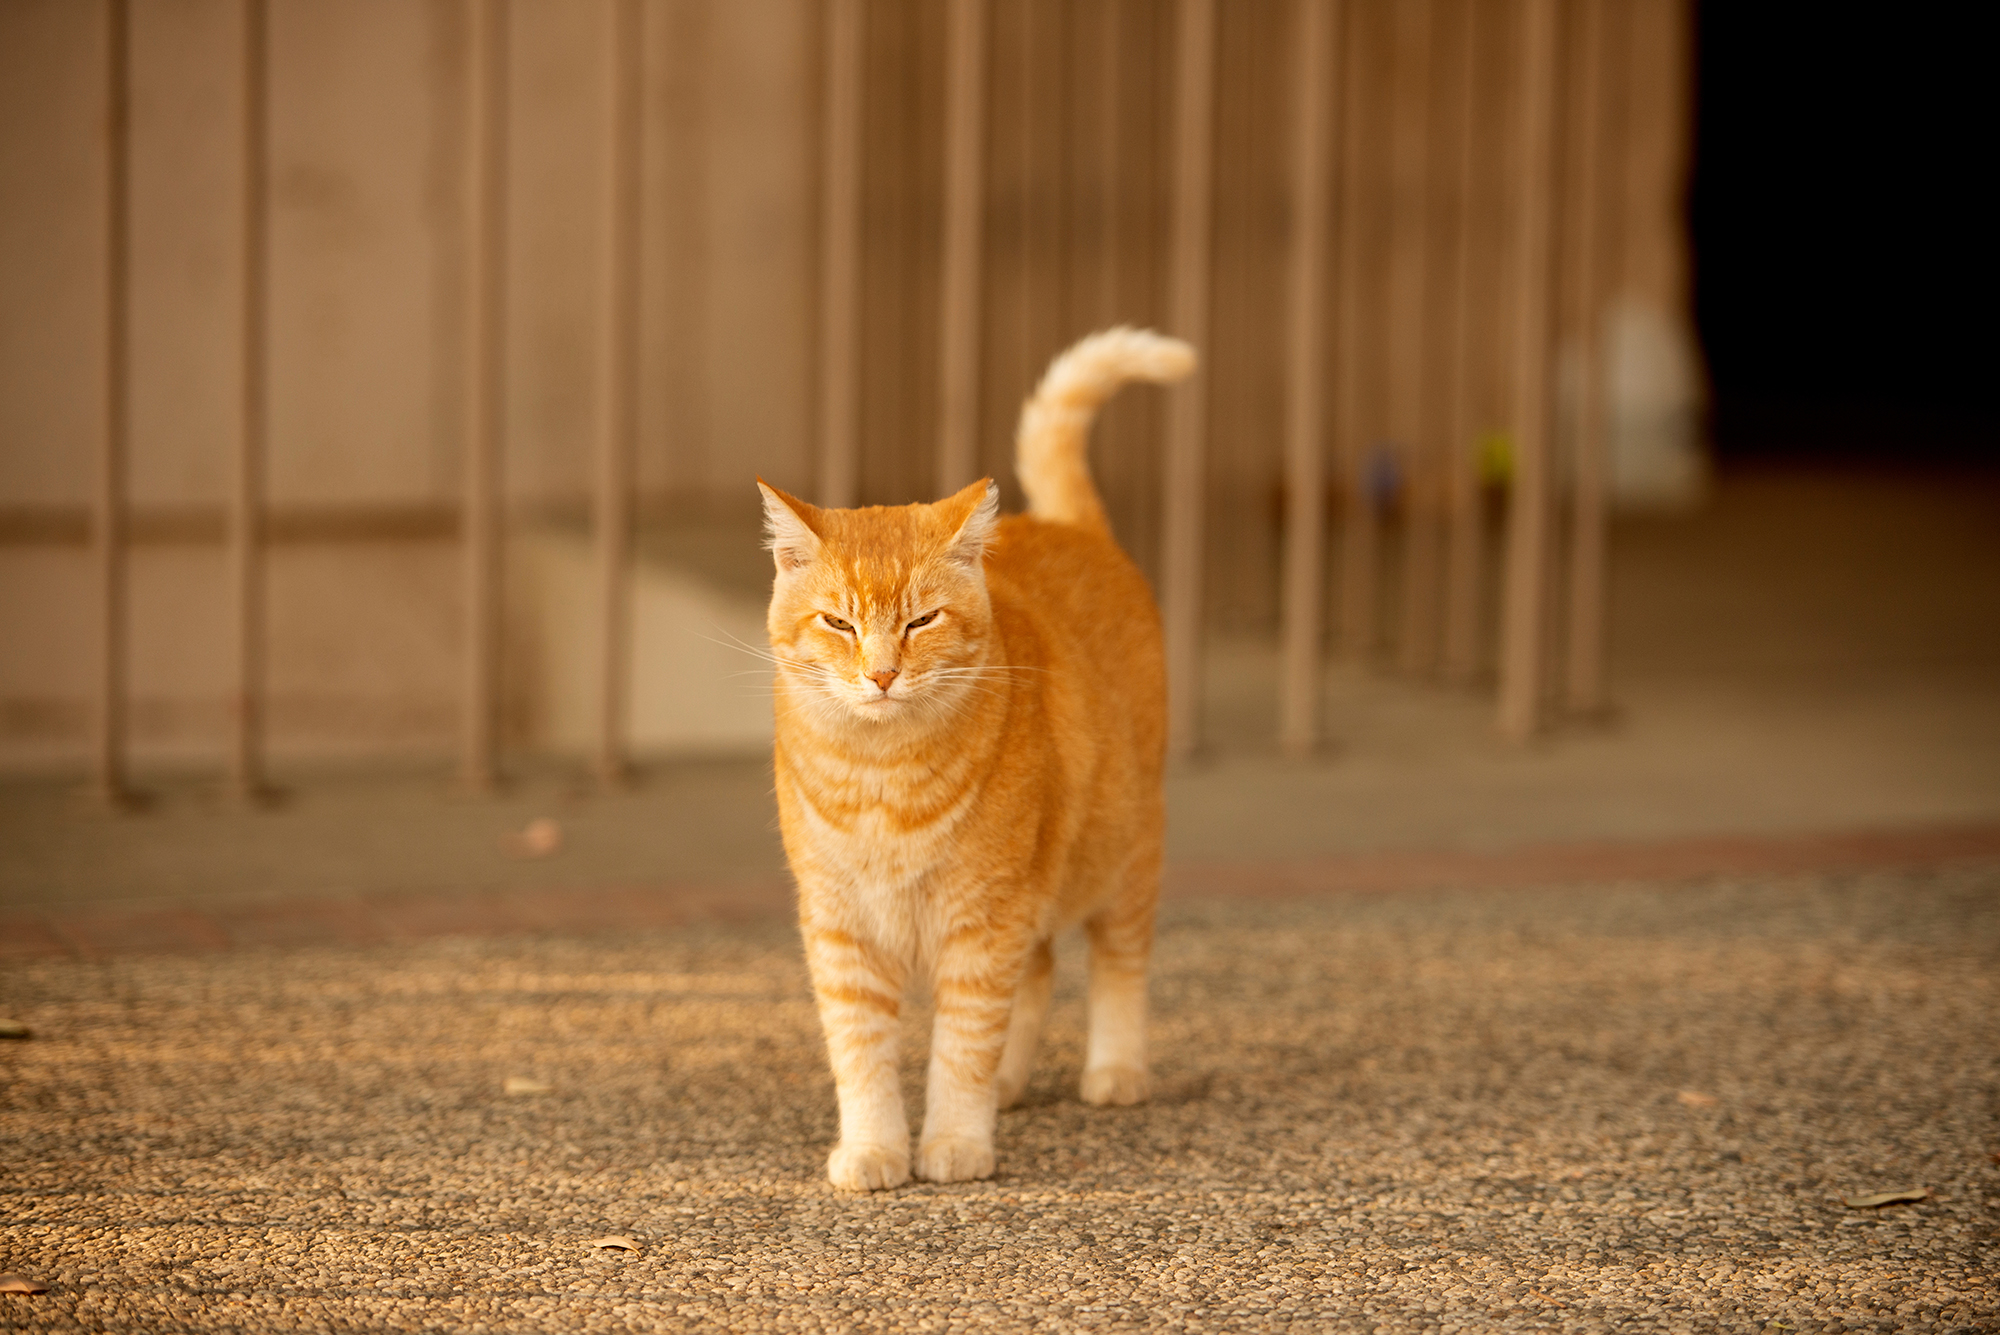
(382, 388)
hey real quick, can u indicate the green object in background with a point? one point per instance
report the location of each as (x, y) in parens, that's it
(1494, 453)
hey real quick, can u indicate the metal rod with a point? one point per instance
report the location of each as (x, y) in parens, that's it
(618, 396)
(1359, 532)
(1597, 129)
(1524, 626)
(486, 158)
(1187, 410)
(108, 519)
(964, 212)
(1305, 400)
(246, 527)
(840, 259)
(1465, 527)
(1411, 174)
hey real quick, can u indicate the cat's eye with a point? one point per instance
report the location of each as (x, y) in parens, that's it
(834, 621)
(923, 620)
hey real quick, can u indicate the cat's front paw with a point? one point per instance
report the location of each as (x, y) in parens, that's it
(1114, 1085)
(955, 1159)
(868, 1167)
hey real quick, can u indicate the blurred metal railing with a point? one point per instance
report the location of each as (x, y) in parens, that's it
(1562, 214)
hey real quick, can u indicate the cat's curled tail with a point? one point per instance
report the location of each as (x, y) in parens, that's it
(1055, 422)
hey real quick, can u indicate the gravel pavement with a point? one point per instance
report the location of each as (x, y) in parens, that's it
(1591, 1108)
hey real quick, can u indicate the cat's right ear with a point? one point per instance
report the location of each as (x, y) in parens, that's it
(788, 529)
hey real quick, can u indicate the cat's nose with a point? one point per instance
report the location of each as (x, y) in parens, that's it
(883, 678)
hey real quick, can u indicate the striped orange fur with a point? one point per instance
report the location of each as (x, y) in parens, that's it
(971, 721)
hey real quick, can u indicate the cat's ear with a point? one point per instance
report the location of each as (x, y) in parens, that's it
(980, 506)
(788, 529)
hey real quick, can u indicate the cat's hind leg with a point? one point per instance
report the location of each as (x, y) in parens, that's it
(860, 995)
(1024, 1028)
(1121, 945)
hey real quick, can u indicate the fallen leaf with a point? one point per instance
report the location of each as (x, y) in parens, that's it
(537, 839)
(527, 1084)
(1886, 1198)
(13, 1029)
(1545, 1298)
(17, 1284)
(1694, 1098)
(616, 1242)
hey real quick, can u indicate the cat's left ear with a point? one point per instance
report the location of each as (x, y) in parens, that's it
(788, 531)
(980, 503)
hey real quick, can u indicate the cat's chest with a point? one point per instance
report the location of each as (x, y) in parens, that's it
(876, 825)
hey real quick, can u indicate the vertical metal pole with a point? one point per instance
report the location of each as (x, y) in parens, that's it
(840, 259)
(1187, 411)
(246, 526)
(486, 144)
(1359, 535)
(1466, 536)
(618, 395)
(1524, 641)
(108, 519)
(1597, 130)
(1410, 310)
(1305, 400)
(964, 211)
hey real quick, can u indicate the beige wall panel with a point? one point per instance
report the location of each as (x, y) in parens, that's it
(187, 235)
(761, 256)
(728, 247)
(47, 602)
(1245, 361)
(52, 204)
(373, 623)
(355, 239)
(901, 229)
(555, 188)
(1130, 439)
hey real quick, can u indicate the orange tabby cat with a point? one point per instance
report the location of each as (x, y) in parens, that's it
(971, 721)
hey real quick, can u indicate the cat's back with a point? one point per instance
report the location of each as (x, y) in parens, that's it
(1089, 615)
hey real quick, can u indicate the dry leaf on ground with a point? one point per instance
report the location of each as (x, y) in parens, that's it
(616, 1242)
(1694, 1098)
(1887, 1198)
(13, 1029)
(537, 839)
(526, 1084)
(18, 1284)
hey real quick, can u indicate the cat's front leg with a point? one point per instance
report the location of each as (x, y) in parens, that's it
(859, 989)
(977, 973)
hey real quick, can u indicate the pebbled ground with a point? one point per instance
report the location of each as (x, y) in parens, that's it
(1615, 1107)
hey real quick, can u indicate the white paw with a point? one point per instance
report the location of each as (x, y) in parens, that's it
(868, 1167)
(1114, 1084)
(954, 1159)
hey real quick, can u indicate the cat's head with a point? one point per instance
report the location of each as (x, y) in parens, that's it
(881, 613)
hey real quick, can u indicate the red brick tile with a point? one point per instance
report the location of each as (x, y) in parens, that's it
(312, 923)
(101, 932)
(1665, 860)
(31, 939)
